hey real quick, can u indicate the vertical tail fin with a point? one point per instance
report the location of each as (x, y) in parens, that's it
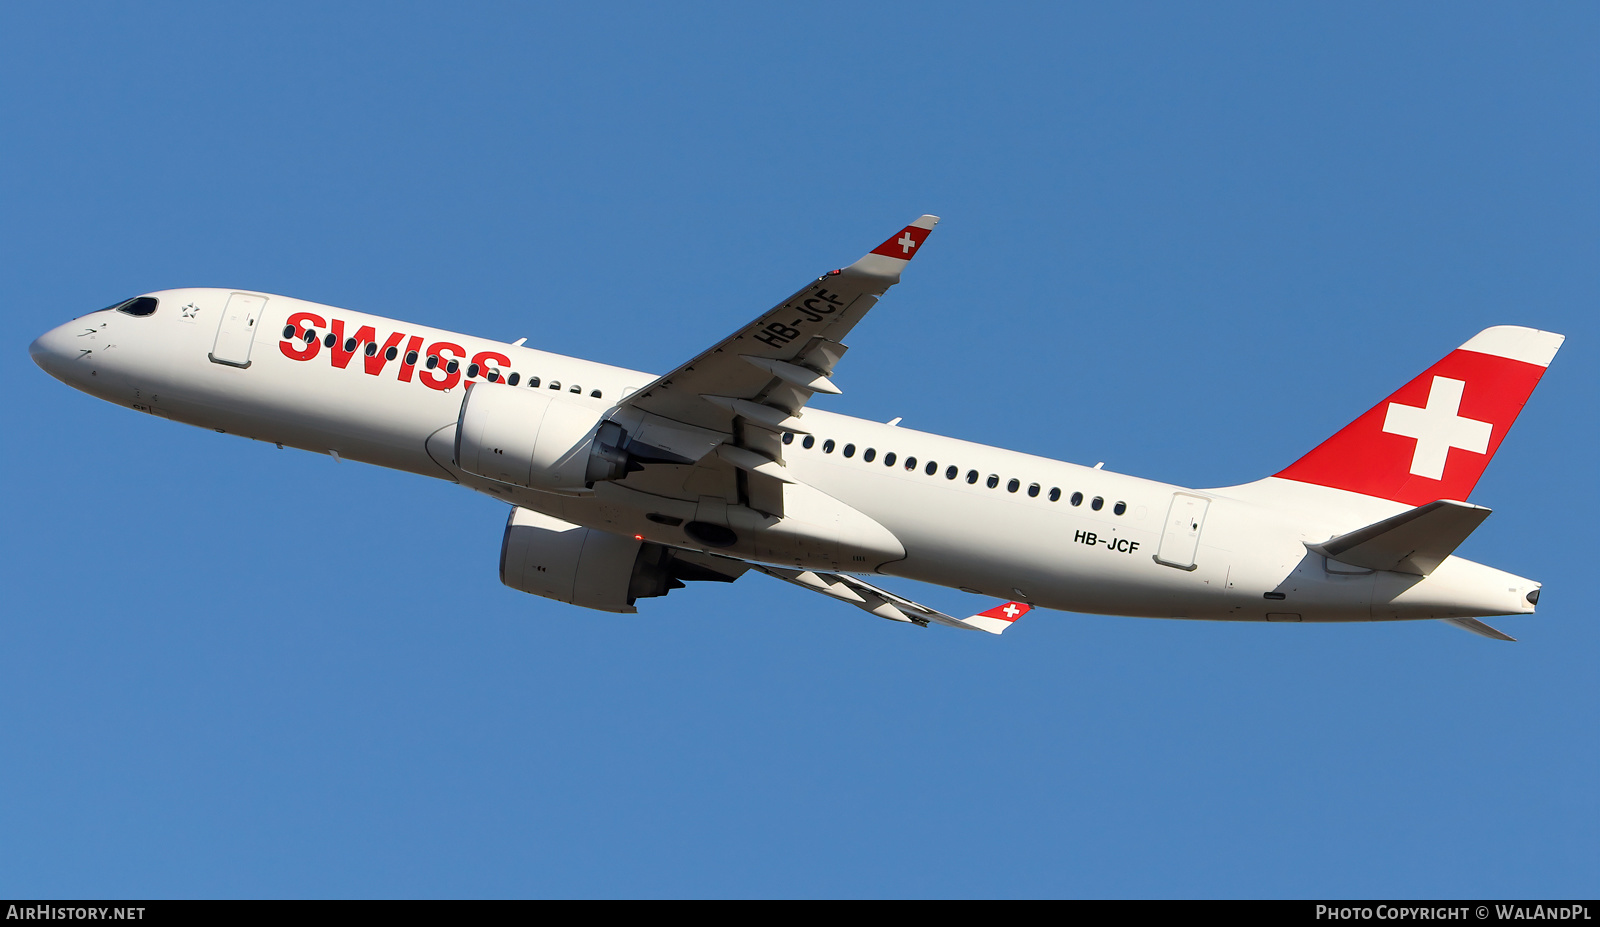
(1434, 436)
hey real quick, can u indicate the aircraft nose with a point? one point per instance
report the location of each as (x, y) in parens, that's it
(50, 351)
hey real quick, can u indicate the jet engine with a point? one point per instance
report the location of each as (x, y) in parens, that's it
(535, 438)
(540, 440)
(596, 569)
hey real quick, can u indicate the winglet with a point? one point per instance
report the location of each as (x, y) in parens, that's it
(997, 619)
(891, 257)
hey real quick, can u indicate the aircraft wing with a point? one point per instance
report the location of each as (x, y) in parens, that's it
(885, 604)
(765, 372)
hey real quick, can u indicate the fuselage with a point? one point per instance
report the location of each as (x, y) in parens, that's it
(979, 518)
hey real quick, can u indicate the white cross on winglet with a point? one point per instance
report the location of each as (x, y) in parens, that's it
(1011, 611)
(906, 243)
(1438, 427)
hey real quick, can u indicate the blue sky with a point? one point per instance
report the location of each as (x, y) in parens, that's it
(1190, 241)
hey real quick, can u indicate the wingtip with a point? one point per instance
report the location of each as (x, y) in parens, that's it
(901, 247)
(997, 619)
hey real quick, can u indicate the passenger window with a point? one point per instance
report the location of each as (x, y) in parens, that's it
(1097, 504)
(1119, 508)
(452, 367)
(594, 394)
(533, 383)
(433, 360)
(1033, 490)
(372, 348)
(888, 459)
(911, 463)
(328, 342)
(512, 380)
(951, 473)
(972, 476)
(411, 358)
(827, 446)
(1014, 485)
(992, 481)
(788, 437)
(391, 354)
(555, 384)
(288, 332)
(850, 451)
(472, 371)
(1077, 498)
(931, 468)
(349, 346)
(311, 335)
(493, 375)
(1055, 494)
(142, 306)
(808, 442)
(575, 389)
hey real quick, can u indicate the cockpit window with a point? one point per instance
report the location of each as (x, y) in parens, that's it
(139, 305)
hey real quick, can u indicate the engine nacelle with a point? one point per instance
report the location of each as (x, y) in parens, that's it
(546, 556)
(535, 438)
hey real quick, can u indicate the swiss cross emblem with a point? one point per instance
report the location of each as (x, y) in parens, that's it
(1011, 610)
(904, 245)
(1438, 427)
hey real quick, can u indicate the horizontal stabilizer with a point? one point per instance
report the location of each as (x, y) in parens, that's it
(1411, 542)
(1478, 627)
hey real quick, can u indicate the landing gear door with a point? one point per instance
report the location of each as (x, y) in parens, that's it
(1180, 537)
(240, 318)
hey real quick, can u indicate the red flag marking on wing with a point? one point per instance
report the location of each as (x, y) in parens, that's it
(1010, 611)
(903, 245)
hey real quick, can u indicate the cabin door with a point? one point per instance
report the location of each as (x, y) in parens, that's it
(1180, 538)
(237, 330)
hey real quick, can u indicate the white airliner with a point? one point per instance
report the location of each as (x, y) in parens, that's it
(624, 485)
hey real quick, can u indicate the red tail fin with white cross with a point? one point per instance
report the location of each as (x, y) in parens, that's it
(1433, 438)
